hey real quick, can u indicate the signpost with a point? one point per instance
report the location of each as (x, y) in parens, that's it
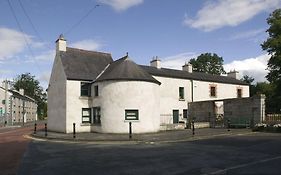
(131, 115)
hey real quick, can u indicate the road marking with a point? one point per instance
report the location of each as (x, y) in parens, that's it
(244, 165)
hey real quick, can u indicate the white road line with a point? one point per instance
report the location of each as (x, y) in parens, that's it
(244, 165)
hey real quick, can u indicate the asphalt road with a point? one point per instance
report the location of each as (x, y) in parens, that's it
(248, 154)
(12, 147)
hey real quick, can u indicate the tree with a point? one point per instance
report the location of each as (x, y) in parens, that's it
(248, 79)
(208, 63)
(273, 46)
(32, 89)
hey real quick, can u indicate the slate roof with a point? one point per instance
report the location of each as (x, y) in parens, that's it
(23, 97)
(88, 65)
(85, 65)
(125, 69)
(172, 73)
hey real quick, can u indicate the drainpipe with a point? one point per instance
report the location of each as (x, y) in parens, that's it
(191, 90)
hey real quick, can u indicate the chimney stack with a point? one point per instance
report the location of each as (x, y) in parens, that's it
(21, 91)
(233, 74)
(156, 62)
(187, 67)
(61, 44)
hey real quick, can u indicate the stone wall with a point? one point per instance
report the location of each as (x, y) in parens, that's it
(240, 111)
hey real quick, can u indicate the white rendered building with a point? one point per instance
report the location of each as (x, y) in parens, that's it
(101, 95)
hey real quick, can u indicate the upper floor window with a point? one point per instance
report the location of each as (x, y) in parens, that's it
(85, 89)
(181, 93)
(239, 93)
(213, 91)
(96, 91)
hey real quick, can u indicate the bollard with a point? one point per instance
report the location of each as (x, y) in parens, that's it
(74, 132)
(35, 127)
(130, 130)
(46, 134)
(193, 128)
(228, 125)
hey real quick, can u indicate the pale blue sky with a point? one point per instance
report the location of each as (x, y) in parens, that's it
(174, 30)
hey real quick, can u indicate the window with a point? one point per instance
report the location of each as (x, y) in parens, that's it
(86, 115)
(96, 115)
(131, 114)
(213, 91)
(184, 113)
(96, 91)
(181, 93)
(239, 93)
(85, 89)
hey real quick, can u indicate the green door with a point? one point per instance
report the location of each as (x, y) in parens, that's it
(175, 116)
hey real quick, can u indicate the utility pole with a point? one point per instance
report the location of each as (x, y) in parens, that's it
(6, 105)
(23, 111)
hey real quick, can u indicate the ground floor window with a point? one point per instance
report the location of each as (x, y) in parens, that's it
(96, 115)
(131, 114)
(86, 115)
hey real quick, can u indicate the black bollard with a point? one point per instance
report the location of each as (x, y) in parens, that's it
(46, 134)
(130, 130)
(193, 128)
(74, 132)
(228, 125)
(35, 127)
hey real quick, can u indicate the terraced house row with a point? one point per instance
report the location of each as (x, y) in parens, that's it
(99, 94)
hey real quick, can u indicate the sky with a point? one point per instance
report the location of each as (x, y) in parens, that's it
(173, 30)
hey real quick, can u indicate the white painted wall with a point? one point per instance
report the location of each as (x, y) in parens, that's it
(57, 98)
(201, 91)
(169, 98)
(116, 96)
(75, 103)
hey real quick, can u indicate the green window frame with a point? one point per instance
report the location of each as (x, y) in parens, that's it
(181, 93)
(85, 89)
(131, 114)
(96, 90)
(185, 113)
(86, 115)
(96, 115)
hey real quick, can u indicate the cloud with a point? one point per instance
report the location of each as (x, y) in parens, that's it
(219, 13)
(247, 34)
(121, 5)
(255, 67)
(87, 44)
(177, 61)
(13, 42)
(44, 79)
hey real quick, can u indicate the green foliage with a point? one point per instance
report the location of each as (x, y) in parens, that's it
(248, 79)
(32, 89)
(208, 63)
(273, 46)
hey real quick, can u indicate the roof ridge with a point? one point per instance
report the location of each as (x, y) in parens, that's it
(90, 51)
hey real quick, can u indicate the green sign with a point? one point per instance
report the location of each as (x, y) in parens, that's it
(132, 114)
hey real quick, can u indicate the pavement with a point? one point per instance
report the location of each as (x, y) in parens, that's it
(160, 137)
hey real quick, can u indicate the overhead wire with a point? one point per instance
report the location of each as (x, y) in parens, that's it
(23, 34)
(81, 19)
(32, 25)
